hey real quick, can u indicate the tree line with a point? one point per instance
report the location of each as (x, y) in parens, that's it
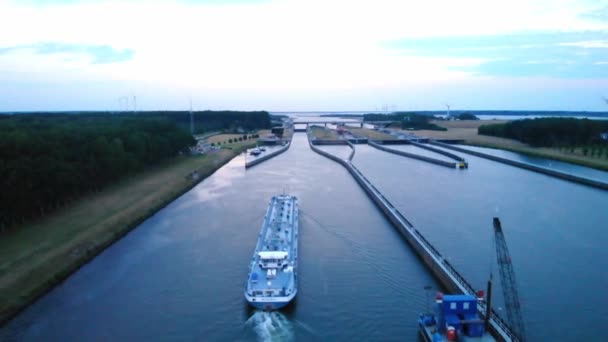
(209, 121)
(406, 120)
(203, 121)
(550, 132)
(50, 159)
(245, 137)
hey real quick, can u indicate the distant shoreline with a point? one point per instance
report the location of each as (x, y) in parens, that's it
(355, 113)
(359, 113)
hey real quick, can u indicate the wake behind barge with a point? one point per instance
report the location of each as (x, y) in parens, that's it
(273, 272)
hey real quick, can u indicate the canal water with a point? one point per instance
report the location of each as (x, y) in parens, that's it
(557, 165)
(422, 152)
(181, 274)
(555, 230)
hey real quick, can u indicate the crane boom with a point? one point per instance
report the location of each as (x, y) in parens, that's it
(507, 279)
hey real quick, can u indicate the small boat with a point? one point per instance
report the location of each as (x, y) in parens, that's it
(455, 319)
(255, 152)
(273, 272)
(462, 165)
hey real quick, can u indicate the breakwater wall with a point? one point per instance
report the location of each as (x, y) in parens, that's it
(358, 140)
(267, 156)
(436, 150)
(448, 141)
(397, 141)
(437, 264)
(548, 172)
(413, 156)
(329, 141)
(352, 153)
(332, 142)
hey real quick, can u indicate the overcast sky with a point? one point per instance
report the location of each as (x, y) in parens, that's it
(298, 55)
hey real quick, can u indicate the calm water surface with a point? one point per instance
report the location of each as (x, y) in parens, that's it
(555, 230)
(420, 151)
(180, 275)
(573, 169)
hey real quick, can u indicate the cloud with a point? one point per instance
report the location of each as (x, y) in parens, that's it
(565, 55)
(296, 47)
(98, 54)
(599, 13)
(75, 2)
(588, 44)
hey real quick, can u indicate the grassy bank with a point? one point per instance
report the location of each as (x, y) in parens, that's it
(40, 254)
(323, 133)
(371, 134)
(467, 132)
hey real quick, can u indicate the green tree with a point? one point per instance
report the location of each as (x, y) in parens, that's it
(48, 160)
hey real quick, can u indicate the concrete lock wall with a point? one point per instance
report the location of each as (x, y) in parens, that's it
(441, 268)
(548, 172)
(413, 156)
(436, 150)
(268, 156)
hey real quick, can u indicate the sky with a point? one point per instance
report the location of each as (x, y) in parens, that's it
(303, 55)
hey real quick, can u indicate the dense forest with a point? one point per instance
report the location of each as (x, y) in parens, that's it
(406, 120)
(553, 132)
(210, 121)
(48, 160)
(203, 121)
(466, 116)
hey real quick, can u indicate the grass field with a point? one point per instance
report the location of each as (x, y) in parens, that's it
(370, 134)
(38, 255)
(467, 131)
(223, 138)
(288, 134)
(323, 133)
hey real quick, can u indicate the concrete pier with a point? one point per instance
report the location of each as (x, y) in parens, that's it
(436, 150)
(437, 264)
(548, 172)
(413, 156)
(267, 156)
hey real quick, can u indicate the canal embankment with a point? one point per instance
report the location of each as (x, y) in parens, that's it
(39, 255)
(534, 168)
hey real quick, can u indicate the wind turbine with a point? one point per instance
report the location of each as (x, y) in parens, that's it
(448, 110)
(119, 104)
(123, 100)
(191, 119)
